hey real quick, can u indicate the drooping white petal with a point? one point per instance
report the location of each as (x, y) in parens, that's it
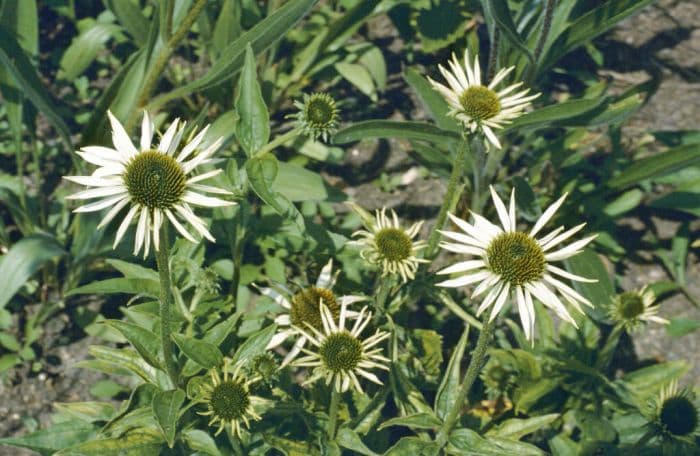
(141, 230)
(500, 302)
(206, 201)
(568, 275)
(124, 225)
(179, 227)
(113, 212)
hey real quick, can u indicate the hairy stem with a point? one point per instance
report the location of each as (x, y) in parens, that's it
(493, 54)
(166, 302)
(457, 171)
(333, 413)
(278, 141)
(475, 365)
(544, 33)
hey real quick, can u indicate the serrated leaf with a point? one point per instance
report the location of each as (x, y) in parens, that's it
(23, 260)
(166, 408)
(203, 353)
(143, 340)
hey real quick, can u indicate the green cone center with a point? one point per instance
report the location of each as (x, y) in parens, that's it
(516, 258)
(155, 180)
(679, 415)
(393, 244)
(229, 400)
(341, 352)
(480, 103)
(631, 305)
(320, 111)
(305, 307)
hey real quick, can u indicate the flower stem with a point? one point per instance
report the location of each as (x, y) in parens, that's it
(333, 413)
(278, 141)
(166, 301)
(606, 353)
(156, 69)
(475, 365)
(457, 170)
(477, 174)
(546, 26)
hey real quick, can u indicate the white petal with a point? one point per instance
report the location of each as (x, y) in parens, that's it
(501, 210)
(499, 76)
(100, 160)
(490, 297)
(113, 212)
(568, 275)
(124, 225)
(298, 345)
(325, 277)
(141, 230)
(570, 250)
(157, 221)
(511, 210)
(203, 155)
(500, 302)
(463, 266)
(105, 153)
(195, 221)
(99, 205)
(562, 237)
(461, 248)
(95, 181)
(550, 300)
(99, 192)
(523, 312)
(463, 238)
(470, 230)
(565, 289)
(192, 145)
(493, 139)
(277, 339)
(465, 279)
(168, 136)
(548, 213)
(120, 138)
(179, 227)
(204, 176)
(146, 132)
(207, 201)
(210, 189)
(485, 285)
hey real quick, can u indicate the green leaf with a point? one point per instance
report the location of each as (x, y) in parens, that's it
(449, 386)
(84, 48)
(624, 203)
(432, 100)
(588, 264)
(125, 358)
(262, 172)
(681, 326)
(594, 427)
(253, 127)
(144, 341)
(466, 440)
(688, 202)
(132, 270)
(395, 129)
(648, 381)
(300, 184)
(254, 345)
(203, 353)
(260, 37)
(657, 165)
(423, 420)
(200, 441)
(142, 442)
(15, 61)
(555, 114)
(497, 11)
(54, 438)
(349, 439)
(517, 428)
(413, 446)
(358, 76)
(87, 411)
(23, 260)
(145, 287)
(590, 25)
(166, 408)
(131, 18)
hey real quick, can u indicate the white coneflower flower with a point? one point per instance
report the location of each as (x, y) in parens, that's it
(339, 355)
(386, 244)
(632, 308)
(228, 399)
(674, 418)
(478, 106)
(156, 183)
(302, 308)
(509, 262)
(318, 115)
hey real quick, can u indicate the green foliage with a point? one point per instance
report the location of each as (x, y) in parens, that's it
(239, 66)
